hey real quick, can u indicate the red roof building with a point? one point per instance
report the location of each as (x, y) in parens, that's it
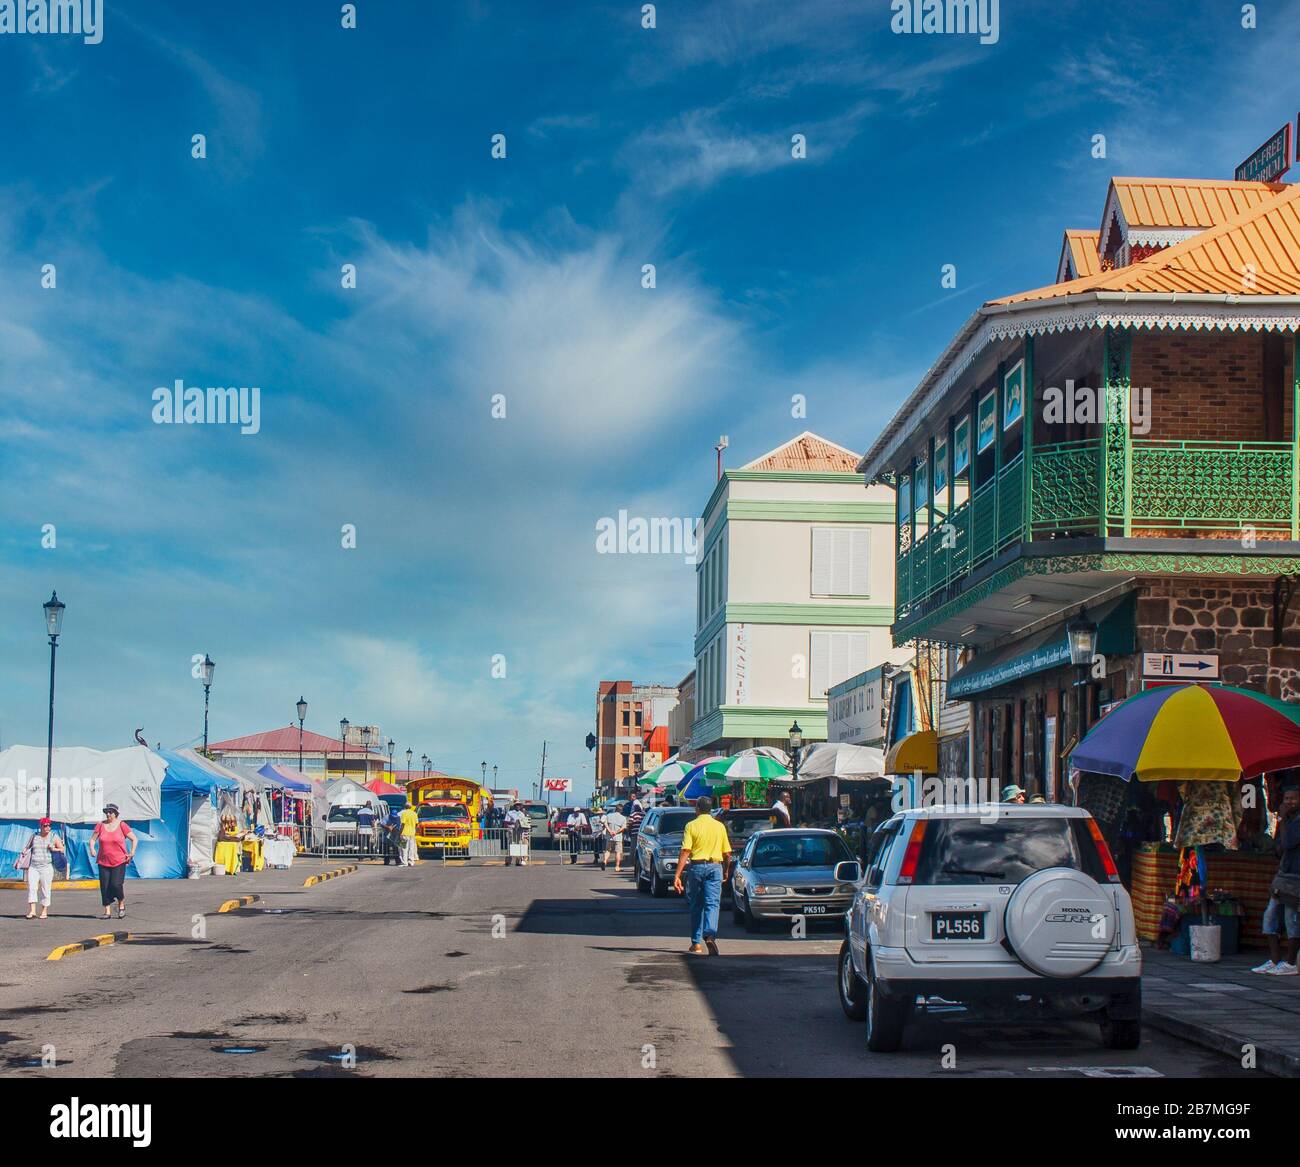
(322, 757)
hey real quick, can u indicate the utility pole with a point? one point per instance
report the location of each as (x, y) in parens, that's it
(541, 781)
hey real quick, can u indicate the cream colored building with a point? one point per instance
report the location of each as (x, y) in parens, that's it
(794, 593)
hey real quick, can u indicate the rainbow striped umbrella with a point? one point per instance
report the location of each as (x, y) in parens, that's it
(1192, 733)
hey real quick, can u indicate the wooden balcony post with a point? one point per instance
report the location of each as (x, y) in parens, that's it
(1116, 446)
(1027, 441)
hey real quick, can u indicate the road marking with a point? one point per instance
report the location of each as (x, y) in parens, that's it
(1216, 987)
(313, 880)
(1100, 1071)
(100, 941)
(234, 905)
(57, 885)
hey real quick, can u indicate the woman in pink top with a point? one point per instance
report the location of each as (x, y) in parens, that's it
(112, 846)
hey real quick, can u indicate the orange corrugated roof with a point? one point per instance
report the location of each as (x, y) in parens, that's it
(1265, 236)
(807, 452)
(1187, 202)
(1082, 247)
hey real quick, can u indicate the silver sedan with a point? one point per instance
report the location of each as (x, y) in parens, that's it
(783, 874)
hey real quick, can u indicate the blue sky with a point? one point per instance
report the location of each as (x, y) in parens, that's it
(519, 276)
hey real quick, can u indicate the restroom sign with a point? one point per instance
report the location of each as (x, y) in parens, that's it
(1180, 666)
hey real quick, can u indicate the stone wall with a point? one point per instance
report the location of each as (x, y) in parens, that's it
(1227, 617)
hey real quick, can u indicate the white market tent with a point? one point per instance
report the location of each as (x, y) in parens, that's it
(82, 782)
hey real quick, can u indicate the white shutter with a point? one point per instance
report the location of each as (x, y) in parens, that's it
(841, 540)
(823, 561)
(819, 664)
(860, 562)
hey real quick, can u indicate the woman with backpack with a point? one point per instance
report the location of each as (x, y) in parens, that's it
(38, 858)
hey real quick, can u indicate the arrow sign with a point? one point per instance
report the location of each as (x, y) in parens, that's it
(1202, 666)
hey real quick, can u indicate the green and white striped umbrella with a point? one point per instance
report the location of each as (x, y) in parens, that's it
(669, 774)
(747, 768)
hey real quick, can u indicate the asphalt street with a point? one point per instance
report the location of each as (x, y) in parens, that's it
(544, 971)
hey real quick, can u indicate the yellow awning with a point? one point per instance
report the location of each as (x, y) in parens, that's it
(917, 751)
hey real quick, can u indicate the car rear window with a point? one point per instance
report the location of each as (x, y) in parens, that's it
(1009, 851)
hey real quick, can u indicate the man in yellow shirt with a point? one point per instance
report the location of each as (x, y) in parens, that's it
(706, 845)
(409, 819)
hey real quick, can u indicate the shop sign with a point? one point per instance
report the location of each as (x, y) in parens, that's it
(557, 785)
(1013, 395)
(986, 421)
(1270, 161)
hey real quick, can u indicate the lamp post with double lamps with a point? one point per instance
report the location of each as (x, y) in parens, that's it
(302, 716)
(206, 669)
(53, 625)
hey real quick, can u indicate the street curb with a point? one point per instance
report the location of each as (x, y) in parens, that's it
(58, 885)
(313, 880)
(235, 905)
(1271, 1061)
(85, 945)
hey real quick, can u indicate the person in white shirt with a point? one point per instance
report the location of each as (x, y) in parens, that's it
(518, 828)
(781, 810)
(575, 824)
(615, 830)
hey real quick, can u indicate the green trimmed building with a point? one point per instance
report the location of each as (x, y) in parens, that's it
(1122, 446)
(794, 593)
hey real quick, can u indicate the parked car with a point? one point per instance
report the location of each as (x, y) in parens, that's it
(1020, 906)
(787, 873)
(742, 824)
(658, 844)
(537, 813)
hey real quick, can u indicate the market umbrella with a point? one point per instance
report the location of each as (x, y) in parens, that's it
(379, 786)
(746, 768)
(669, 774)
(841, 760)
(1192, 733)
(697, 781)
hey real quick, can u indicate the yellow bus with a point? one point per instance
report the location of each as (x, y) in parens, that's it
(449, 811)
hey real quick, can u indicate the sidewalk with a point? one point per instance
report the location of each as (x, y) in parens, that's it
(154, 907)
(1225, 1006)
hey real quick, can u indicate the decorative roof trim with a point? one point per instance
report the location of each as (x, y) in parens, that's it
(1152, 310)
(1161, 236)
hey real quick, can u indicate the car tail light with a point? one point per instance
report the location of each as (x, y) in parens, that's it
(913, 853)
(1103, 851)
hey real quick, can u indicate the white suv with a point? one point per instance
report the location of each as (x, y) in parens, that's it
(1004, 905)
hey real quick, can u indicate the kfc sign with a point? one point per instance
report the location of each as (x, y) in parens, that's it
(558, 785)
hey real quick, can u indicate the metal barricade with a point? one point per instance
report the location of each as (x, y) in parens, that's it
(349, 842)
(568, 844)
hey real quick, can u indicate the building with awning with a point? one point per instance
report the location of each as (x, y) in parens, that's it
(1118, 448)
(917, 753)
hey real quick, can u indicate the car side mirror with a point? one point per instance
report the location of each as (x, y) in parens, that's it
(849, 871)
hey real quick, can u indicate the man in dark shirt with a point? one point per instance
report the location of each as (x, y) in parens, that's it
(1279, 914)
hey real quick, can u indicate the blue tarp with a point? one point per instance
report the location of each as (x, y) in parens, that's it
(281, 774)
(161, 845)
(182, 774)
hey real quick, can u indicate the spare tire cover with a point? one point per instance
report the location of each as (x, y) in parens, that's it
(1060, 922)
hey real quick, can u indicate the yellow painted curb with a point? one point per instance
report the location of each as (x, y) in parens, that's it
(58, 885)
(313, 880)
(235, 905)
(101, 941)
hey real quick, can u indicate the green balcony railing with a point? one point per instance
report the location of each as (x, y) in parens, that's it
(1105, 487)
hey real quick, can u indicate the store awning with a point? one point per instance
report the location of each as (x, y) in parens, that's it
(1047, 649)
(917, 751)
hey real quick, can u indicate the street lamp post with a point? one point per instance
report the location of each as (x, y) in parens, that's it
(424, 765)
(494, 777)
(410, 753)
(302, 716)
(483, 766)
(206, 670)
(365, 751)
(391, 772)
(796, 748)
(53, 624)
(1081, 635)
(343, 737)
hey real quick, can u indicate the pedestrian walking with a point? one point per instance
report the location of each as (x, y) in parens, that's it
(598, 839)
(708, 850)
(615, 832)
(634, 817)
(574, 825)
(112, 847)
(38, 858)
(410, 852)
(1282, 916)
(781, 813)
